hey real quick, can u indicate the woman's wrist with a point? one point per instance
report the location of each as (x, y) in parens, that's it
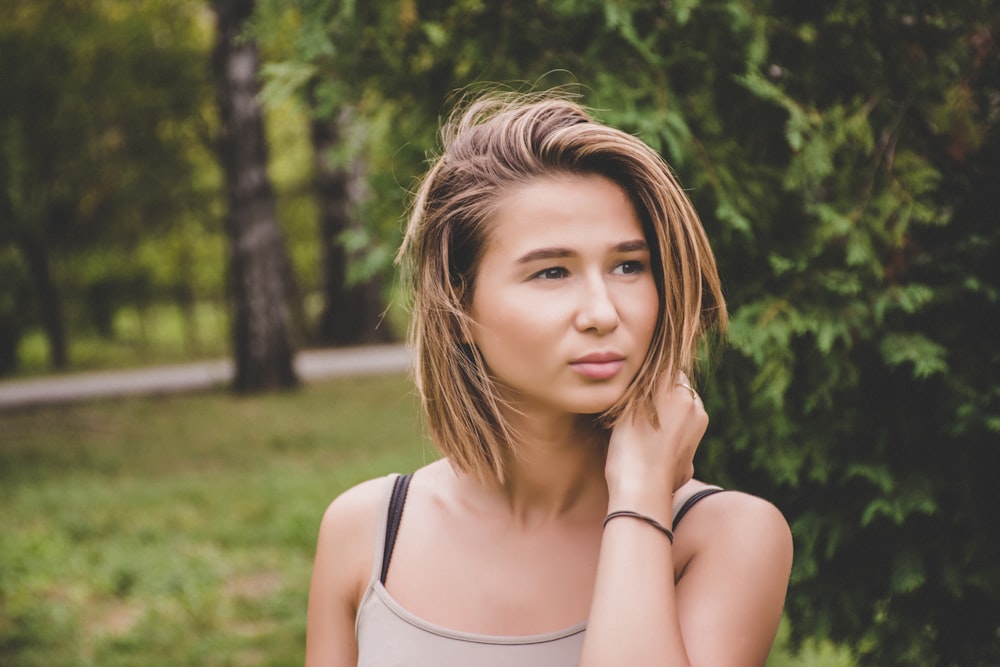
(639, 516)
(654, 500)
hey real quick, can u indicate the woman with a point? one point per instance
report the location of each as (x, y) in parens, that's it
(562, 285)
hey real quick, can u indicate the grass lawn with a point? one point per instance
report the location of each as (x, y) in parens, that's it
(180, 530)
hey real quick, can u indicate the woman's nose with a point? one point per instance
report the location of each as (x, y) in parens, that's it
(596, 311)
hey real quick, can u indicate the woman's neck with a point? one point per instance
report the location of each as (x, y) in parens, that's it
(559, 469)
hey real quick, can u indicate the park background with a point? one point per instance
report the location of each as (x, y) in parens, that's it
(190, 180)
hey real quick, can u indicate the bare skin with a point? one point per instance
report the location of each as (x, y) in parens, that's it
(531, 556)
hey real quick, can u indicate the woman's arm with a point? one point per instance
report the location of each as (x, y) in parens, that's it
(725, 608)
(732, 590)
(341, 572)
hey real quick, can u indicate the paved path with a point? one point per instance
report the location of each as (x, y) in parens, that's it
(310, 365)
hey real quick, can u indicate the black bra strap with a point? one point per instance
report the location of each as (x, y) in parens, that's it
(396, 503)
(689, 503)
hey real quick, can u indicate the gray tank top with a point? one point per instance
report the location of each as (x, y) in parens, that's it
(390, 636)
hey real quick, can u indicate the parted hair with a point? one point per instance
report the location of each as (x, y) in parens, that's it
(489, 146)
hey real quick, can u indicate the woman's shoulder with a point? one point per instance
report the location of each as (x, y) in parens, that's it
(347, 532)
(733, 559)
(345, 552)
(363, 497)
(738, 521)
(359, 507)
(356, 512)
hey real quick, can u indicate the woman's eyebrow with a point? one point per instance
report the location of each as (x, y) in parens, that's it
(635, 245)
(632, 246)
(545, 253)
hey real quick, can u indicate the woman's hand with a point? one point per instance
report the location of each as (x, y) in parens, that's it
(716, 599)
(647, 463)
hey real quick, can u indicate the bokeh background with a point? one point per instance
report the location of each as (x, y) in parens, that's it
(187, 180)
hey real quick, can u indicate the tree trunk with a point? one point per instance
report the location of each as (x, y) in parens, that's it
(184, 298)
(262, 347)
(36, 257)
(352, 313)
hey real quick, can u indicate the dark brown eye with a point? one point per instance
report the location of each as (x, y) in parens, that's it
(552, 273)
(630, 267)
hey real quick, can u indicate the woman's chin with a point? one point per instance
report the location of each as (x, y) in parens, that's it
(595, 408)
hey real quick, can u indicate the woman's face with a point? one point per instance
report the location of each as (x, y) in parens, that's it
(564, 304)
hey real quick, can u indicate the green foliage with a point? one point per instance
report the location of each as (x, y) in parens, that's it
(103, 134)
(94, 97)
(860, 326)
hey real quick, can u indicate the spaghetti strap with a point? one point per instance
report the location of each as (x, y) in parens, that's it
(395, 516)
(690, 502)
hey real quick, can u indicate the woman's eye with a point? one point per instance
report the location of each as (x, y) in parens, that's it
(630, 267)
(552, 273)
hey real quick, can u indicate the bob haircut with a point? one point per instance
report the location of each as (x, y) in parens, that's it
(496, 143)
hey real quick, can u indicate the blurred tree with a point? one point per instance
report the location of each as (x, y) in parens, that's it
(353, 260)
(352, 309)
(14, 300)
(96, 99)
(259, 267)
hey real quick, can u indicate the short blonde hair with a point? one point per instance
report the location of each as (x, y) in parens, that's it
(491, 145)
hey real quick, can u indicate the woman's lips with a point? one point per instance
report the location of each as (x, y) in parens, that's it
(598, 366)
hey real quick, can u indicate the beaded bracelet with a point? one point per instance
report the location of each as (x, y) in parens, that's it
(648, 519)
